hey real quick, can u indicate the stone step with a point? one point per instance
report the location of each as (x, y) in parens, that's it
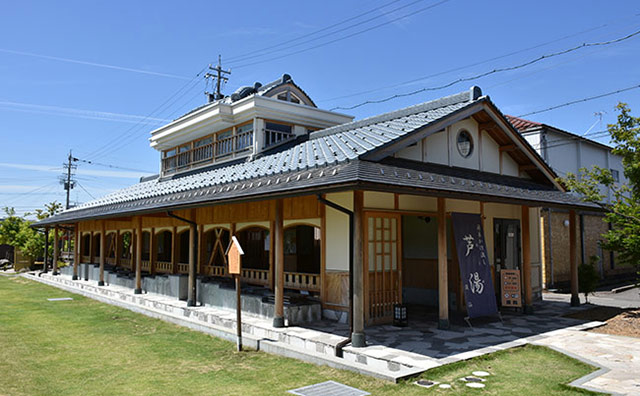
(298, 342)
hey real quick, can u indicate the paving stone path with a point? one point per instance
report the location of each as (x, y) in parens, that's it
(619, 356)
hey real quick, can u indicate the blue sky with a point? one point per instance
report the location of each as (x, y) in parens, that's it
(95, 77)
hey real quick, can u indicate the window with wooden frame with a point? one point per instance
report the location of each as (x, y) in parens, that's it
(215, 147)
(276, 132)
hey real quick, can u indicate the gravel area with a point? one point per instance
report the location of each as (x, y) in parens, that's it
(624, 322)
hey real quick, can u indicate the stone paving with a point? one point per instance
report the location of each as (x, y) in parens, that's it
(423, 337)
(620, 356)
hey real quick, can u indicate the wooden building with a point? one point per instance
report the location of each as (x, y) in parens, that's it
(310, 194)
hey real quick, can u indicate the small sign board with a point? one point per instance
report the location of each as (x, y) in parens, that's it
(234, 256)
(510, 290)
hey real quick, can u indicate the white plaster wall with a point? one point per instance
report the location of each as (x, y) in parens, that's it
(509, 166)
(435, 148)
(379, 200)
(562, 153)
(471, 162)
(413, 152)
(490, 154)
(337, 232)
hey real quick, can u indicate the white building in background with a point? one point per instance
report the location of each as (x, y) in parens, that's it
(566, 152)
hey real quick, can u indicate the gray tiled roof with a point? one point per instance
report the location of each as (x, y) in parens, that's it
(328, 157)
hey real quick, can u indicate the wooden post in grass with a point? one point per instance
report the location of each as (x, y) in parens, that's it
(56, 249)
(234, 258)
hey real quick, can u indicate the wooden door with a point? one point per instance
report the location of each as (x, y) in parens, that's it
(382, 266)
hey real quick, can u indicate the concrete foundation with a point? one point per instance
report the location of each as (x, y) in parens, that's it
(256, 301)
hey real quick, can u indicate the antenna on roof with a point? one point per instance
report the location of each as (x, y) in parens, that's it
(219, 77)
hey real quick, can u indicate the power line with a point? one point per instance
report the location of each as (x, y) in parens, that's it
(111, 166)
(87, 63)
(466, 66)
(85, 190)
(241, 56)
(494, 71)
(117, 138)
(74, 112)
(580, 101)
(381, 15)
(132, 133)
(345, 37)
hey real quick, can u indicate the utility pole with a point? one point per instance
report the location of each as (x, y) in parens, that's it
(219, 76)
(67, 177)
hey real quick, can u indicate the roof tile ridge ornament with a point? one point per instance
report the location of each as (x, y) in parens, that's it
(471, 95)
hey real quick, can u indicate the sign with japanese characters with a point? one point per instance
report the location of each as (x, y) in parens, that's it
(474, 265)
(510, 288)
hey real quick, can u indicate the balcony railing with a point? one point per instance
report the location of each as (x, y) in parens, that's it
(223, 148)
(302, 281)
(183, 268)
(145, 265)
(212, 270)
(256, 277)
(273, 137)
(110, 260)
(125, 262)
(164, 267)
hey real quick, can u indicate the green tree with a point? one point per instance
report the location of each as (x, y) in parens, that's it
(624, 210)
(17, 231)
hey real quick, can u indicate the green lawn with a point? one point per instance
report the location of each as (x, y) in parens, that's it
(83, 347)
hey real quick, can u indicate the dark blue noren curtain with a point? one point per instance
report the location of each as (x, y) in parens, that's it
(474, 265)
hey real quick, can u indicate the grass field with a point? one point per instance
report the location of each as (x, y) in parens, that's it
(83, 347)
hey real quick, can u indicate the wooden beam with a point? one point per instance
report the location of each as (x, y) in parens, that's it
(357, 337)
(528, 167)
(278, 320)
(526, 260)
(443, 278)
(102, 252)
(152, 251)
(508, 147)
(138, 233)
(573, 259)
(193, 255)
(78, 252)
(56, 249)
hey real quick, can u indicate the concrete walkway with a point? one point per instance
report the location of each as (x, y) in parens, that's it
(385, 357)
(618, 356)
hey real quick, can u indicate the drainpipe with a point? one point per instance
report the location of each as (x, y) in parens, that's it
(349, 213)
(192, 298)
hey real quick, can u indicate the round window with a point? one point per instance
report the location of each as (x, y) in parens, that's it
(464, 143)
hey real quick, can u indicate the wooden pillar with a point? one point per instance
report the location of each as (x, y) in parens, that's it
(358, 339)
(193, 247)
(91, 247)
(152, 251)
(138, 232)
(278, 320)
(118, 252)
(56, 249)
(443, 267)
(526, 261)
(102, 253)
(77, 252)
(573, 259)
(200, 249)
(174, 250)
(90, 263)
(46, 250)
